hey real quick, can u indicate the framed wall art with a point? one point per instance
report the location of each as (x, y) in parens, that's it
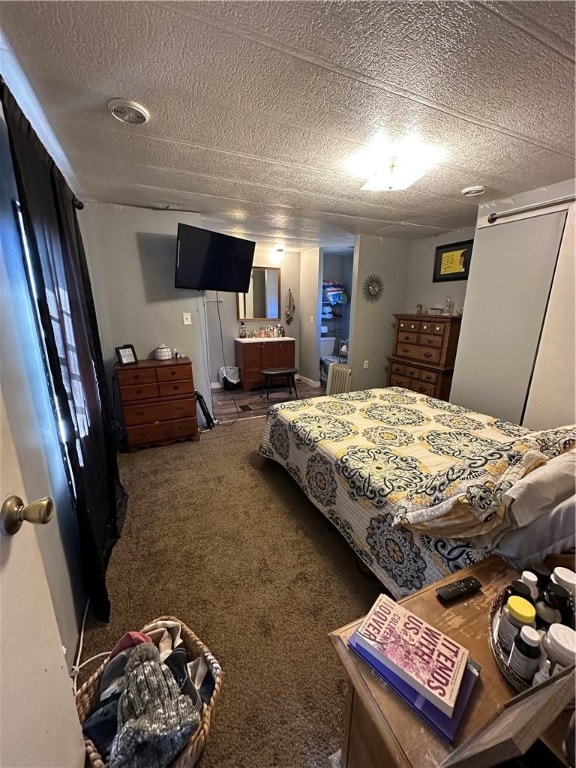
(452, 262)
(126, 355)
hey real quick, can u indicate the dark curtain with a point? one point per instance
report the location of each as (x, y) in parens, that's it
(75, 367)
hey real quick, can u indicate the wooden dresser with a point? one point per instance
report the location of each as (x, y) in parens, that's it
(158, 402)
(424, 354)
(252, 355)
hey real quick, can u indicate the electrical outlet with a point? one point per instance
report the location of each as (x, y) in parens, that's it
(187, 318)
(365, 363)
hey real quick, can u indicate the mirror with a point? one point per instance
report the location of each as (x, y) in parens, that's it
(262, 302)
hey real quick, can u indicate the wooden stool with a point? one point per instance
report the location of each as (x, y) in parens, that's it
(278, 373)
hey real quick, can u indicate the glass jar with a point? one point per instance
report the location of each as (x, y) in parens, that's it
(517, 613)
(448, 307)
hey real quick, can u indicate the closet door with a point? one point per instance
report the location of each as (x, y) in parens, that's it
(510, 279)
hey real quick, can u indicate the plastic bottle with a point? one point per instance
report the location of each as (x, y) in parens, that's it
(531, 580)
(518, 588)
(543, 673)
(559, 645)
(242, 332)
(547, 607)
(566, 578)
(517, 613)
(543, 574)
(525, 653)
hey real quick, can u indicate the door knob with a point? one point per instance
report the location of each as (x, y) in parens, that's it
(14, 512)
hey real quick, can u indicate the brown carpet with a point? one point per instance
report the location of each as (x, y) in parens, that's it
(223, 539)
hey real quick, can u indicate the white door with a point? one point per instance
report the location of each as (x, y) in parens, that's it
(39, 727)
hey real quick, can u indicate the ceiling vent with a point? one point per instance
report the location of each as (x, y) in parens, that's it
(128, 111)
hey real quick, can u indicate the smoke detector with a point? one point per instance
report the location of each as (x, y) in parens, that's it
(128, 111)
(473, 191)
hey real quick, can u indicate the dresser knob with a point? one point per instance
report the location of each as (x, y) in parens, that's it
(427, 354)
(140, 413)
(172, 373)
(404, 349)
(429, 341)
(179, 407)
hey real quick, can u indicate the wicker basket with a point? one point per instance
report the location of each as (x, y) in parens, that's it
(88, 694)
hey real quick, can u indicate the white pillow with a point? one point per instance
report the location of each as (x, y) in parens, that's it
(538, 492)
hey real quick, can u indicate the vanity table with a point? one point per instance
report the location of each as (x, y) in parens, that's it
(253, 355)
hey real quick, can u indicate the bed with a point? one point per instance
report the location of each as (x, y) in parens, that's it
(420, 487)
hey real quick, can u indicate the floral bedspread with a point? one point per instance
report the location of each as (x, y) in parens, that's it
(394, 471)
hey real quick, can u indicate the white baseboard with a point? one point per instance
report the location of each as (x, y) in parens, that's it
(309, 382)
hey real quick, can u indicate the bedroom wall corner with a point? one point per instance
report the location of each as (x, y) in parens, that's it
(372, 323)
(309, 311)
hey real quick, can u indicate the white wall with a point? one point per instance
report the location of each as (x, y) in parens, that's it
(309, 310)
(131, 255)
(372, 324)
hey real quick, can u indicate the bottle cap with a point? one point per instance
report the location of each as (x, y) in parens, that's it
(521, 610)
(556, 596)
(529, 578)
(565, 577)
(562, 643)
(518, 587)
(530, 636)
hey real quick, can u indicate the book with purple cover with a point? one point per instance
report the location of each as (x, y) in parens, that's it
(446, 726)
(394, 639)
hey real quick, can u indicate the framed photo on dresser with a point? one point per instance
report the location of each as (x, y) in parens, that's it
(126, 355)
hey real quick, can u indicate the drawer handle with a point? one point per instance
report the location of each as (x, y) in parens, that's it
(176, 387)
(138, 391)
(179, 407)
(181, 427)
(428, 354)
(429, 341)
(143, 431)
(140, 413)
(136, 376)
(172, 373)
(405, 349)
(421, 389)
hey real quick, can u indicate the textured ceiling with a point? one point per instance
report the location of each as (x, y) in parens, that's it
(254, 106)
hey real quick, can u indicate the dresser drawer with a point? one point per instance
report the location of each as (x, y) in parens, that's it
(174, 373)
(428, 340)
(423, 388)
(413, 373)
(409, 325)
(408, 337)
(139, 392)
(429, 376)
(433, 327)
(397, 368)
(418, 353)
(147, 413)
(162, 430)
(130, 375)
(399, 381)
(168, 388)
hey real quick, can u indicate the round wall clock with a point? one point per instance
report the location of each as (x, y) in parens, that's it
(373, 288)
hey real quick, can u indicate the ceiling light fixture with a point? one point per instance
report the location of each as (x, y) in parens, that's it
(388, 165)
(277, 255)
(473, 191)
(128, 111)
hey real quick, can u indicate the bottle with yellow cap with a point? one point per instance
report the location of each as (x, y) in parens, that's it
(517, 613)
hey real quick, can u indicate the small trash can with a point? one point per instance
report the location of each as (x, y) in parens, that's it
(229, 377)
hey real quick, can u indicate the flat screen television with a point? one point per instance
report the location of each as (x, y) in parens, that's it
(210, 261)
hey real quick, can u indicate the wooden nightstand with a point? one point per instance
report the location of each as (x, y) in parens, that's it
(381, 730)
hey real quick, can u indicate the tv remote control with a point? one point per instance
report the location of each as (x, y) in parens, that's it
(458, 588)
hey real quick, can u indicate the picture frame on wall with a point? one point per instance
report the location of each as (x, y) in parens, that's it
(452, 262)
(126, 355)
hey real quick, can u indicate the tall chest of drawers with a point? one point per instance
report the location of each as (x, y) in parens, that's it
(424, 354)
(158, 402)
